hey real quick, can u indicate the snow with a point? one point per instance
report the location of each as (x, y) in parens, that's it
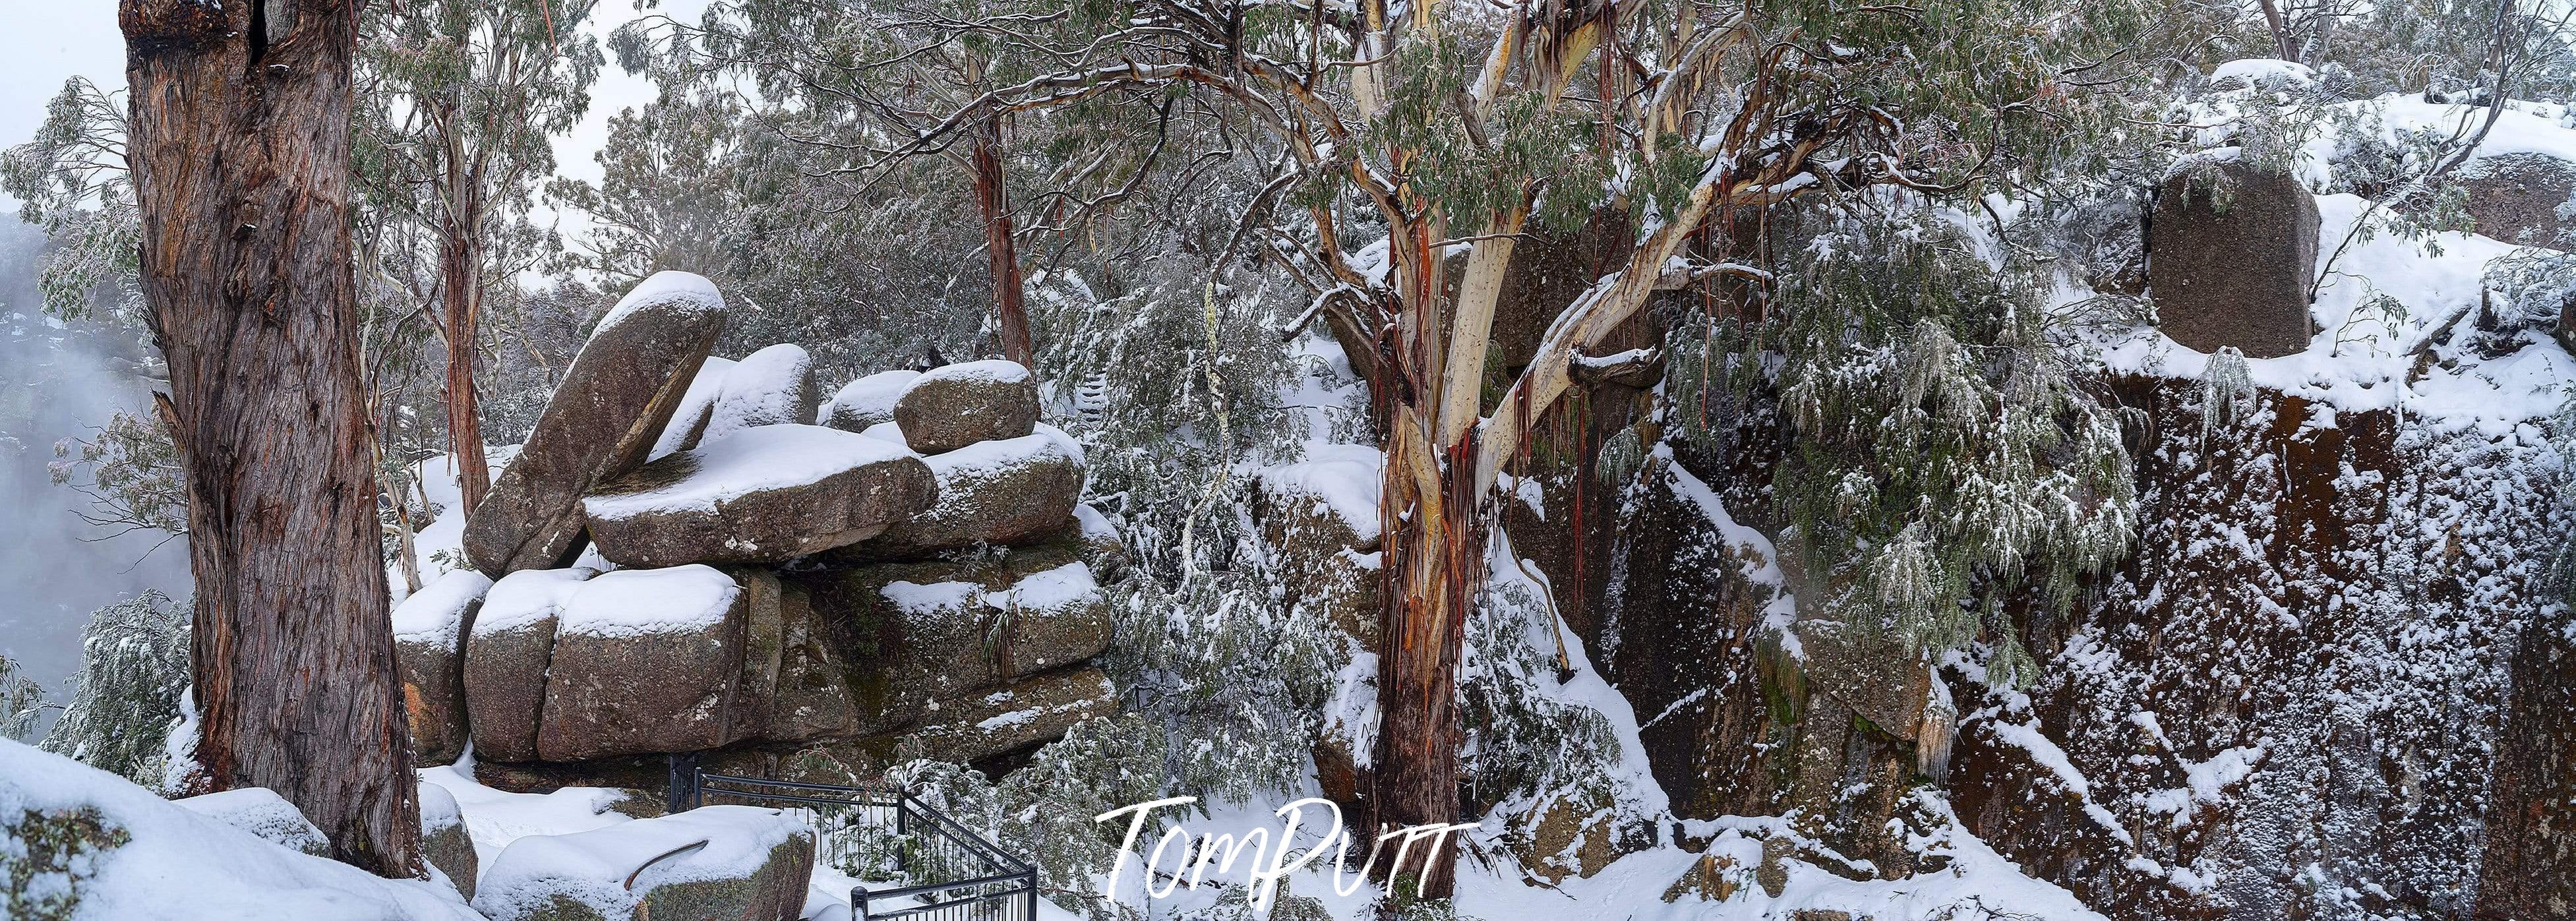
(527, 597)
(691, 292)
(873, 395)
(592, 867)
(918, 599)
(183, 866)
(695, 406)
(635, 602)
(494, 818)
(2261, 71)
(762, 389)
(1062, 588)
(748, 461)
(990, 370)
(887, 432)
(1342, 479)
(261, 812)
(986, 460)
(436, 615)
(1095, 526)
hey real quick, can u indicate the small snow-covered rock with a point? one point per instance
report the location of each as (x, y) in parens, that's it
(603, 420)
(429, 658)
(689, 422)
(2516, 197)
(764, 494)
(262, 812)
(512, 641)
(1007, 492)
(444, 841)
(868, 401)
(733, 862)
(645, 660)
(950, 407)
(773, 386)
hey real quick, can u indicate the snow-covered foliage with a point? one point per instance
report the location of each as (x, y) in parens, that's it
(127, 699)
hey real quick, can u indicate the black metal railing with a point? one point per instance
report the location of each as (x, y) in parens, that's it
(912, 862)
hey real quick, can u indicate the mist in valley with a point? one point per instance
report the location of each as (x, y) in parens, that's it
(60, 381)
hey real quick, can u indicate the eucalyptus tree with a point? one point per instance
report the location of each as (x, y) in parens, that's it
(72, 180)
(239, 141)
(1412, 145)
(463, 101)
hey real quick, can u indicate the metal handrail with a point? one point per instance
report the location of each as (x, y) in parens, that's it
(1019, 876)
(666, 855)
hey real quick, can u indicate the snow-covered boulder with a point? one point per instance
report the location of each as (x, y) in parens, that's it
(511, 643)
(920, 634)
(773, 386)
(950, 407)
(697, 405)
(260, 811)
(1318, 521)
(794, 686)
(444, 842)
(2231, 252)
(645, 660)
(728, 862)
(764, 494)
(2516, 197)
(1007, 492)
(80, 844)
(430, 629)
(1026, 712)
(869, 401)
(603, 420)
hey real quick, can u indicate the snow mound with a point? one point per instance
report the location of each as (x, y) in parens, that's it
(752, 460)
(764, 388)
(1062, 588)
(987, 459)
(527, 597)
(436, 614)
(887, 432)
(494, 818)
(1095, 526)
(1343, 479)
(918, 599)
(634, 602)
(592, 867)
(2255, 72)
(695, 406)
(153, 859)
(260, 811)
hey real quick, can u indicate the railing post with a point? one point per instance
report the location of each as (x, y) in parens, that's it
(684, 794)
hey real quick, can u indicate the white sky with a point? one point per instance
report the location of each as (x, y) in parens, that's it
(48, 41)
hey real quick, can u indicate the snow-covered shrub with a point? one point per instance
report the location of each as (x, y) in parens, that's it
(21, 701)
(128, 695)
(1948, 452)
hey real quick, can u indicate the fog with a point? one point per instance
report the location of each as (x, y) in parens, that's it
(57, 382)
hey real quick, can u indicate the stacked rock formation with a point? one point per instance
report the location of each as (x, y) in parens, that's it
(911, 580)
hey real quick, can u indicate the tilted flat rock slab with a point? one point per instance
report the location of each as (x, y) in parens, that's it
(645, 660)
(613, 405)
(430, 630)
(950, 407)
(764, 494)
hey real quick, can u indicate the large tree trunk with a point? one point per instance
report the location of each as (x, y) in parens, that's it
(240, 146)
(1008, 309)
(460, 290)
(1435, 569)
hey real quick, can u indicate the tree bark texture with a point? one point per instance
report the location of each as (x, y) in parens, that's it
(1009, 310)
(240, 144)
(460, 289)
